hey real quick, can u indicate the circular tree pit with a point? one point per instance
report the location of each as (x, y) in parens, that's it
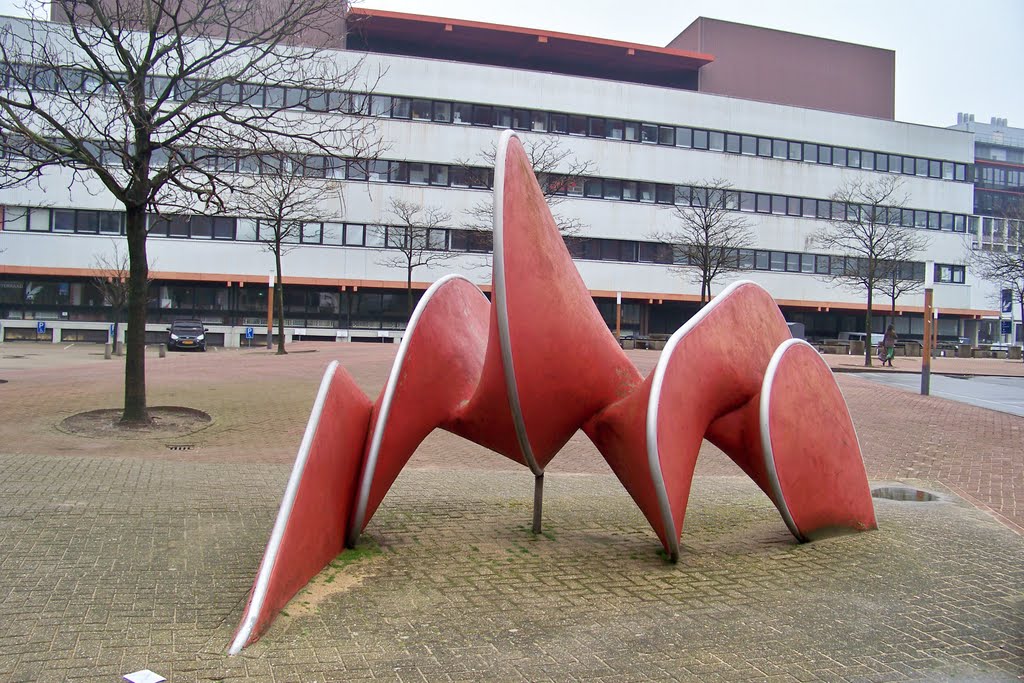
(164, 421)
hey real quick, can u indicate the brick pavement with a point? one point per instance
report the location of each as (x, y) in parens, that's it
(260, 403)
(116, 564)
(121, 554)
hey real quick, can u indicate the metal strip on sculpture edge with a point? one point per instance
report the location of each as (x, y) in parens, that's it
(377, 436)
(766, 438)
(500, 303)
(653, 456)
(259, 591)
(766, 443)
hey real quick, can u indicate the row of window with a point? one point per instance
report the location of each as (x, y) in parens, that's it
(451, 239)
(991, 229)
(1008, 150)
(613, 189)
(998, 178)
(998, 202)
(474, 177)
(465, 113)
(356, 309)
(227, 228)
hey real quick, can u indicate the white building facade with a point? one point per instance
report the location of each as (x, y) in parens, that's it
(648, 146)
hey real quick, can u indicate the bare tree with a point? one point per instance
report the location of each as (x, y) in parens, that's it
(865, 237)
(899, 277)
(415, 239)
(148, 101)
(708, 236)
(112, 282)
(285, 202)
(560, 174)
(1003, 264)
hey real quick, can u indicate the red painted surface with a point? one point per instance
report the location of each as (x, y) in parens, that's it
(403, 23)
(569, 373)
(815, 447)
(522, 48)
(563, 352)
(437, 379)
(315, 531)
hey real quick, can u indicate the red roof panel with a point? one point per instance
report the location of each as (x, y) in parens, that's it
(511, 46)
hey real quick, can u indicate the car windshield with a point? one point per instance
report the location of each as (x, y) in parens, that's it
(187, 328)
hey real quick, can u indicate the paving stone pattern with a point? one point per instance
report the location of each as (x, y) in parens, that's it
(112, 565)
(119, 554)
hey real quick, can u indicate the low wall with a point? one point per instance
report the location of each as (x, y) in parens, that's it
(230, 336)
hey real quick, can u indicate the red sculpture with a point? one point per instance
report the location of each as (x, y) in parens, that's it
(520, 375)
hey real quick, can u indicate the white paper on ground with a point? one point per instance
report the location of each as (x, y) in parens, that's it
(144, 676)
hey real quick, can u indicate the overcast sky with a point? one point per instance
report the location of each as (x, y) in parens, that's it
(951, 56)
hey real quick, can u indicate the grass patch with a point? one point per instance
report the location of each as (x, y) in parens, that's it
(366, 547)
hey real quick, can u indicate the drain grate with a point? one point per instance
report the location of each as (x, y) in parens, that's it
(903, 493)
(181, 446)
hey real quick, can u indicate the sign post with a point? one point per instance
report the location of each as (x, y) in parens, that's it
(270, 312)
(926, 347)
(1006, 315)
(248, 336)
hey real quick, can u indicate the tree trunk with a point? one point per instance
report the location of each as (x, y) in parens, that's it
(279, 303)
(135, 333)
(869, 346)
(408, 292)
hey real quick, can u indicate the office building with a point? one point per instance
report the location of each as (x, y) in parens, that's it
(654, 123)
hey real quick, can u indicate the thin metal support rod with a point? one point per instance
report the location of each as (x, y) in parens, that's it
(538, 501)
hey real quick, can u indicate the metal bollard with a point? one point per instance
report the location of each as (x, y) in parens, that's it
(163, 351)
(107, 351)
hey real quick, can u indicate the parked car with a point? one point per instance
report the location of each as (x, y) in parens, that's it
(186, 334)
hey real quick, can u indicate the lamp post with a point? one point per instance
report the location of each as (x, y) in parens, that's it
(926, 346)
(270, 312)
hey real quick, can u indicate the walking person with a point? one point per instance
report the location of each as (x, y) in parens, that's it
(889, 341)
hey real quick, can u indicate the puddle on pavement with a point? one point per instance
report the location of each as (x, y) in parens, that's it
(903, 493)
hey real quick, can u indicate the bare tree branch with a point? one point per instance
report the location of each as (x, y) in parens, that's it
(1004, 264)
(154, 99)
(415, 239)
(284, 202)
(709, 235)
(870, 247)
(112, 282)
(558, 170)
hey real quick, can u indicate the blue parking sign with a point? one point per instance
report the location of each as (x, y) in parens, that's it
(248, 333)
(40, 327)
